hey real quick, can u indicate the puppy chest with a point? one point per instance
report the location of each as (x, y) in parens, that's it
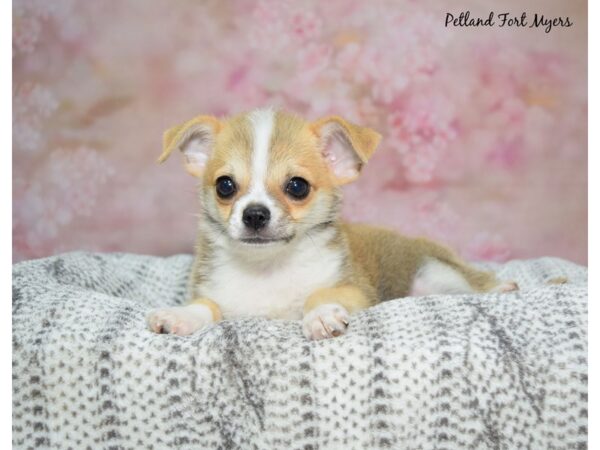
(278, 292)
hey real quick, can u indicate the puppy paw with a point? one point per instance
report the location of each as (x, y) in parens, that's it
(506, 286)
(558, 280)
(325, 321)
(179, 320)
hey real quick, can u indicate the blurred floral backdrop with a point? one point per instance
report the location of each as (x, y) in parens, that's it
(485, 139)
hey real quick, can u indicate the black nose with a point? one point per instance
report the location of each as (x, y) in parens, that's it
(256, 216)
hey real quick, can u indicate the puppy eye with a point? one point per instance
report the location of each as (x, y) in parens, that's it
(225, 187)
(297, 188)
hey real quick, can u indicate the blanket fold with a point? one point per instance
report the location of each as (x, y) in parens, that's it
(470, 371)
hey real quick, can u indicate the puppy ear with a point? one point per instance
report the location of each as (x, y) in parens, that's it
(195, 138)
(346, 147)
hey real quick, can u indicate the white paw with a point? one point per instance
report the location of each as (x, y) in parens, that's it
(180, 320)
(506, 286)
(325, 321)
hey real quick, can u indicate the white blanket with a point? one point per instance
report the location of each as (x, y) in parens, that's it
(499, 371)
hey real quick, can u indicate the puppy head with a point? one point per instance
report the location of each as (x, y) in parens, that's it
(269, 178)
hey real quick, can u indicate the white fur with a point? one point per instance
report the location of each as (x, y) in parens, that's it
(181, 320)
(325, 321)
(435, 277)
(275, 287)
(196, 145)
(263, 123)
(196, 151)
(338, 152)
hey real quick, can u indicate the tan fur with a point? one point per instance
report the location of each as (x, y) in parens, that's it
(558, 280)
(176, 136)
(292, 153)
(214, 308)
(362, 139)
(387, 261)
(350, 297)
(231, 157)
(377, 264)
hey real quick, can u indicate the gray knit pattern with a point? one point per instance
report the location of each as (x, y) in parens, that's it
(498, 371)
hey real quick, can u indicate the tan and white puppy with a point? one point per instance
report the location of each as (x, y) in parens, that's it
(270, 240)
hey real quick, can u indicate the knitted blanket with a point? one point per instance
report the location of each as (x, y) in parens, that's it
(499, 371)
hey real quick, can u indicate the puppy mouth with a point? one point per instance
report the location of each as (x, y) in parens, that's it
(264, 241)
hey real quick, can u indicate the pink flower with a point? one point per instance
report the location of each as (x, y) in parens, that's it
(66, 188)
(506, 155)
(487, 247)
(464, 118)
(305, 25)
(32, 106)
(420, 132)
(26, 33)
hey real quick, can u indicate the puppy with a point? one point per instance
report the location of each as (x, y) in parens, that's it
(270, 241)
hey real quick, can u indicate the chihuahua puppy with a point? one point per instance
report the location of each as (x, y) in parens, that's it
(270, 240)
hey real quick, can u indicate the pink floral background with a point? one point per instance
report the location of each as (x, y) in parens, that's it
(485, 138)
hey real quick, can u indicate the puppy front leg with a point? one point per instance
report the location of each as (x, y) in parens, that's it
(327, 311)
(184, 320)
